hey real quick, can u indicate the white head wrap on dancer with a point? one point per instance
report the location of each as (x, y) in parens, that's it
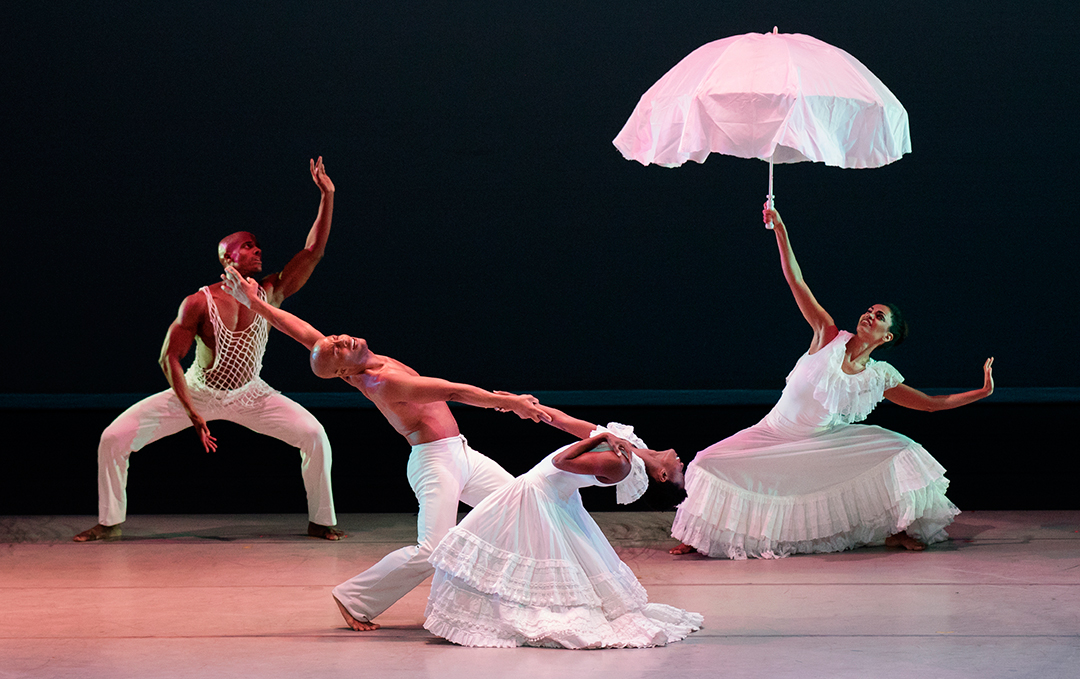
(635, 483)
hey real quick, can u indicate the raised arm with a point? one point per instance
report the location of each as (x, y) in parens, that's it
(298, 270)
(909, 397)
(246, 291)
(819, 319)
(178, 341)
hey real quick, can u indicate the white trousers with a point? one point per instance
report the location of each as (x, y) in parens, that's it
(160, 415)
(441, 473)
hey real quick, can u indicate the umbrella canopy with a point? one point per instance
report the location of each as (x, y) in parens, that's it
(782, 97)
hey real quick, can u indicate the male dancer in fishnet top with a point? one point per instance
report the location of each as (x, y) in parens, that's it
(223, 382)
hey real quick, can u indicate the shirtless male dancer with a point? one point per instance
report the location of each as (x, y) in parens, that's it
(442, 468)
(223, 381)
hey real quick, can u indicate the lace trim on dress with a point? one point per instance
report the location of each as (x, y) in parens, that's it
(535, 582)
(850, 398)
(906, 492)
(458, 613)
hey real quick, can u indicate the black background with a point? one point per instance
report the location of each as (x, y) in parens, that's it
(487, 231)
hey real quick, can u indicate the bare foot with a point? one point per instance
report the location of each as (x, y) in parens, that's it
(324, 532)
(358, 625)
(98, 532)
(682, 549)
(906, 541)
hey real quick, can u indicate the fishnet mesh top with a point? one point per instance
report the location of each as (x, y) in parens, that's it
(234, 376)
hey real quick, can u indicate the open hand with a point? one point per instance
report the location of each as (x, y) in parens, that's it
(209, 442)
(318, 174)
(988, 376)
(242, 289)
(622, 447)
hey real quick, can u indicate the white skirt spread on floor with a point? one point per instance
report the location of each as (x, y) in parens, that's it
(807, 480)
(529, 567)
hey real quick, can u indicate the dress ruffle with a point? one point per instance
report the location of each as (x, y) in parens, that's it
(528, 566)
(849, 398)
(904, 493)
(535, 582)
(459, 613)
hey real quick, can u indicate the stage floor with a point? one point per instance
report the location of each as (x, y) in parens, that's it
(249, 596)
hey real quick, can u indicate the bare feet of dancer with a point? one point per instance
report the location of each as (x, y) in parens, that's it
(325, 532)
(98, 532)
(906, 541)
(682, 549)
(358, 625)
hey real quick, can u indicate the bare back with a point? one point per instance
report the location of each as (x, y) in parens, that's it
(417, 422)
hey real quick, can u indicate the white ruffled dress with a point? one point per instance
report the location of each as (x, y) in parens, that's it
(807, 480)
(528, 566)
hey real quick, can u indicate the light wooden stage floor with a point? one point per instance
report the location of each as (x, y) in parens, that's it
(249, 596)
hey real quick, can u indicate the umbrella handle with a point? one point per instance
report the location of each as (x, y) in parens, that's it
(769, 198)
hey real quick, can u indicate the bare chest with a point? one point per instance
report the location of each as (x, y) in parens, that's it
(428, 421)
(231, 317)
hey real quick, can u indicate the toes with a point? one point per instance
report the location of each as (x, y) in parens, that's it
(98, 533)
(325, 532)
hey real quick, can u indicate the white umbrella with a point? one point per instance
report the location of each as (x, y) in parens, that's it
(781, 97)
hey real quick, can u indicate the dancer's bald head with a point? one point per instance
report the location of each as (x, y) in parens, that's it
(322, 362)
(240, 249)
(339, 356)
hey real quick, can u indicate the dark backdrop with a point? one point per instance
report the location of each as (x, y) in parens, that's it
(485, 228)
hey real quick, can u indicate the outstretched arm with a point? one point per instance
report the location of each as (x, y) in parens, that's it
(298, 270)
(560, 420)
(246, 291)
(819, 319)
(571, 425)
(419, 389)
(909, 397)
(178, 341)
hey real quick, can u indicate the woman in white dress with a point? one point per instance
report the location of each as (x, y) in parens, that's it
(528, 566)
(806, 479)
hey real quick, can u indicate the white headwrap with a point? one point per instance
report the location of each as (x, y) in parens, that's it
(635, 483)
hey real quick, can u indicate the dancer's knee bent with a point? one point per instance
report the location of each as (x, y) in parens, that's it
(115, 441)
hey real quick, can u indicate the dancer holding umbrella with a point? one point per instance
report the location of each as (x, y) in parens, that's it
(806, 479)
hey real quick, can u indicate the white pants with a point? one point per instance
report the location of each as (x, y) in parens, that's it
(160, 415)
(441, 473)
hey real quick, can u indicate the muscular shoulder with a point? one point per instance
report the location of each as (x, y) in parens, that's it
(372, 383)
(271, 284)
(192, 310)
(384, 382)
